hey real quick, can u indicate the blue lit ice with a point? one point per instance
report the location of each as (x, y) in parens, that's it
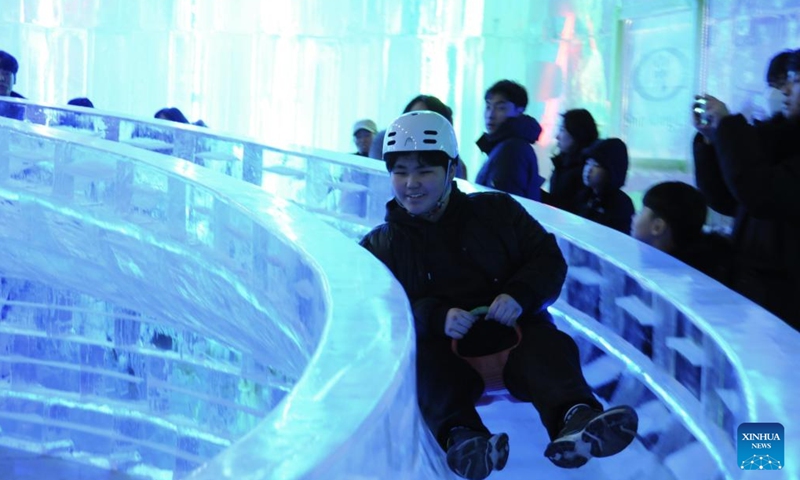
(158, 317)
(163, 321)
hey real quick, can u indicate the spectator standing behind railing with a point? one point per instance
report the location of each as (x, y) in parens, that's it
(511, 165)
(604, 172)
(172, 114)
(770, 103)
(175, 115)
(363, 133)
(8, 75)
(753, 172)
(81, 102)
(672, 219)
(577, 132)
(75, 120)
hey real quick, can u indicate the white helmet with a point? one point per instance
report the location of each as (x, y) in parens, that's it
(420, 131)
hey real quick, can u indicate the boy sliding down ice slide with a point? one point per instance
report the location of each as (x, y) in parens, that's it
(454, 252)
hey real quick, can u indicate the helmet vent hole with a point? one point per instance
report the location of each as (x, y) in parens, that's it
(430, 141)
(391, 134)
(431, 132)
(391, 142)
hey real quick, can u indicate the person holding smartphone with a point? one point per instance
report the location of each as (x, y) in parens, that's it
(751, 172)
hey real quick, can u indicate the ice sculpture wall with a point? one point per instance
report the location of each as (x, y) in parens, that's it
(301, 72)
(693, 357)
(155, 312)
(740, 37)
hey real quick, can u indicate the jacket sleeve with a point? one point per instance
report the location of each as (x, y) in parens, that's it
(709, 178)
(377, 244)
(538, 281)
(429, 317)
(516, 170)
(766, 187)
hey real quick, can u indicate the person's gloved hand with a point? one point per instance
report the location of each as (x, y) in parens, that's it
(458, 322)
(505, 310)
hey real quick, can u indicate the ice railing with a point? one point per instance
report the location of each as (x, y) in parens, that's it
(156, 315)
(694, 357)
(334, 185)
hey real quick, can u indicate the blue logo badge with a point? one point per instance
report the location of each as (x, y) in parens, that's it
(760, 446)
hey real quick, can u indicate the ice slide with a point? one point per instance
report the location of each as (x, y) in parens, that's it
(133, 347)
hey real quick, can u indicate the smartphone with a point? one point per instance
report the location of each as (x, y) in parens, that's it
(700, 110)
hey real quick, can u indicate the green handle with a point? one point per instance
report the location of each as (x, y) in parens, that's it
(479, 311)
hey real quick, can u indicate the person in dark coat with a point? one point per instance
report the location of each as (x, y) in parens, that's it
(770, 103)
(172, 114)
(602, 199)
(752, 172)
(511, 165)
(81, 102)
(672, 218)
(8, 75)
(453, 253)
(578, 131)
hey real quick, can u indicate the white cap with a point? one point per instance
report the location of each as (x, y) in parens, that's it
(365, 124)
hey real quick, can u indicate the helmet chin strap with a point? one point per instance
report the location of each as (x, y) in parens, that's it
(442, 198)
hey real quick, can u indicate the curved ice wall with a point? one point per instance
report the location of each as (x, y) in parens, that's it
(157, 314)
(694, 358)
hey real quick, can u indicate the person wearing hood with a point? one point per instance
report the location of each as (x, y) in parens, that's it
(511, 165)
(476, 267)
(604, 173)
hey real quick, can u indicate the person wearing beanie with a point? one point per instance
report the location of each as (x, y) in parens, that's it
(672, 219)
(604, 172)
(8, 75)
(511, 165)
(577, 132)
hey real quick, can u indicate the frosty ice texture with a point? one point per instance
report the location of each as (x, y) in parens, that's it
(154, 312)
(685, 344)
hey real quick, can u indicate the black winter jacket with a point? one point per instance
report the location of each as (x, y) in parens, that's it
(566, 182)
(484, 244)
(753, 173)
(612, 207)
(512, 166)
(709, 253)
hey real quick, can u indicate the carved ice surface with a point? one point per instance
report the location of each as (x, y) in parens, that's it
(157, 316)
(150, 332)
